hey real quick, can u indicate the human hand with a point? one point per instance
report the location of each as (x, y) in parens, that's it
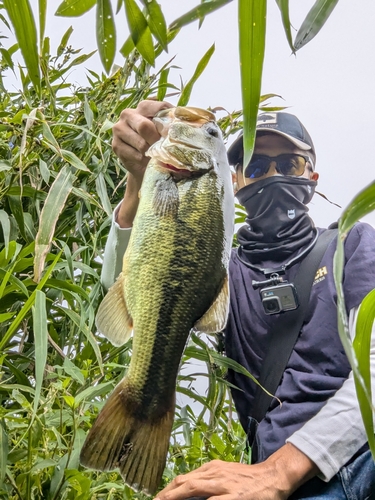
(275, 479)
(134, 133)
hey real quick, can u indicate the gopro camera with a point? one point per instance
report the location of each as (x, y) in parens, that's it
(277, 295)
(279, 298)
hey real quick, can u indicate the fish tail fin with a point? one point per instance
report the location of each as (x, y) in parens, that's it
(137, 446)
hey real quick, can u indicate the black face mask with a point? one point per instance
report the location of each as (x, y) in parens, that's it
(277, 223)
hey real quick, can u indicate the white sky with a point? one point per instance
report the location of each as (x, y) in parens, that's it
(329, 85)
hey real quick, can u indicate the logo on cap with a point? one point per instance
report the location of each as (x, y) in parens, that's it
(267, 118)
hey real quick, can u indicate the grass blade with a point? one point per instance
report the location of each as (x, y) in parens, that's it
(156, 22)
(198, 13)
(105, 33)
(22, 19)
(315, 19)
(139, 31)
(53, 206)
(3, 452)
(42, 20)
(362, 347)
(362, 204)
(27, 306)
(73, 159)
(185, 94)
(284, 9)
(5, 227)
(41, 343)
(74, 8)
(252, 33)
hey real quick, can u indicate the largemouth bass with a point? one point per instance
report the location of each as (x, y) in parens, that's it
(174, 279)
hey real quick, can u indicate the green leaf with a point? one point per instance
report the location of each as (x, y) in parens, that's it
(4, 448)
(7, 58)
(22, 19)
(89, 115)
(74, 8)
(127, 47)
(15, 204)
(139, 31)
(362, 349)
(84, 329)
(27, 306)
(284, 8)
(5, 227)
(73, 160)
(44, 170)
(105, 33)
(42, 20)
(64, 40)
(47, 133)
(93, 392)
(162, 85)
(156, 22)
(185, 94)
(72, 370)
(41, 343)
(252, 33)
(5, 166)
(315, 19)
(101, 189)
(53, 207)
(362, 204)
(43, 464)
(198, 13)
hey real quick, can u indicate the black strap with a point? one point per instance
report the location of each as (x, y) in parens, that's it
(285, 332)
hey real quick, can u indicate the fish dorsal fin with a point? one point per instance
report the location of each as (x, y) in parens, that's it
(113, 319)
(215, 318)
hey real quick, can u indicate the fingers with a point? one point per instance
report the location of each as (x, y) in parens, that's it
(135, 132)
(204, 482)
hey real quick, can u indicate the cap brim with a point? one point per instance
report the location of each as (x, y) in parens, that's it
(235, 151)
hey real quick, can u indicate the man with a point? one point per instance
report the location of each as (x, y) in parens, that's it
(314, 445)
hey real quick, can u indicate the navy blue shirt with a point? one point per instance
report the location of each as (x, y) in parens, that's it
(318, 365)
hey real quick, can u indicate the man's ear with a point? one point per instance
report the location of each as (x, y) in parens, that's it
(314, 176)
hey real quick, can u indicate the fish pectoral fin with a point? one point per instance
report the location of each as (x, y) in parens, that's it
(113, 319)
(215, 318)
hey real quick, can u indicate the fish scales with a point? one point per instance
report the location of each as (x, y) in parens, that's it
(173, 296)
(174, 279)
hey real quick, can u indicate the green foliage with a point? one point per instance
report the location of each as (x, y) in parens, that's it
(58, 183)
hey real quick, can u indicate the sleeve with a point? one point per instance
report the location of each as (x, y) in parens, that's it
(337, 432)
(118, 239)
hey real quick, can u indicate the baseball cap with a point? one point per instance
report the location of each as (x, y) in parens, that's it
(284, 124)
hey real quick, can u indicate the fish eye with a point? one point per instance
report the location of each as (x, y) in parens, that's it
(213, 131)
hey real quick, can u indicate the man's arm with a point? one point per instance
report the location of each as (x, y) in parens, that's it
(274, 479)
(133, 134)
(337, 432)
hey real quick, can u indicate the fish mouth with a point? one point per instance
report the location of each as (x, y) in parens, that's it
(175, 171)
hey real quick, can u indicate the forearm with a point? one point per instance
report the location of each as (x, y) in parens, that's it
(117, 242)
(337, 432)
(129, 206)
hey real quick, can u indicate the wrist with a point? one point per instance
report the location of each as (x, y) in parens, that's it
(293, 467)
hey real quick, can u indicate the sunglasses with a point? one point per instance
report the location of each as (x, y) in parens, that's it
(286, 164)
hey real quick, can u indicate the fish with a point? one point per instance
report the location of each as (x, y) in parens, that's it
(174, 281)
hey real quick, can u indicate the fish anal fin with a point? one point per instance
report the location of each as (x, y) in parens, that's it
(113, 319)
(215, 318)
(120, 440)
